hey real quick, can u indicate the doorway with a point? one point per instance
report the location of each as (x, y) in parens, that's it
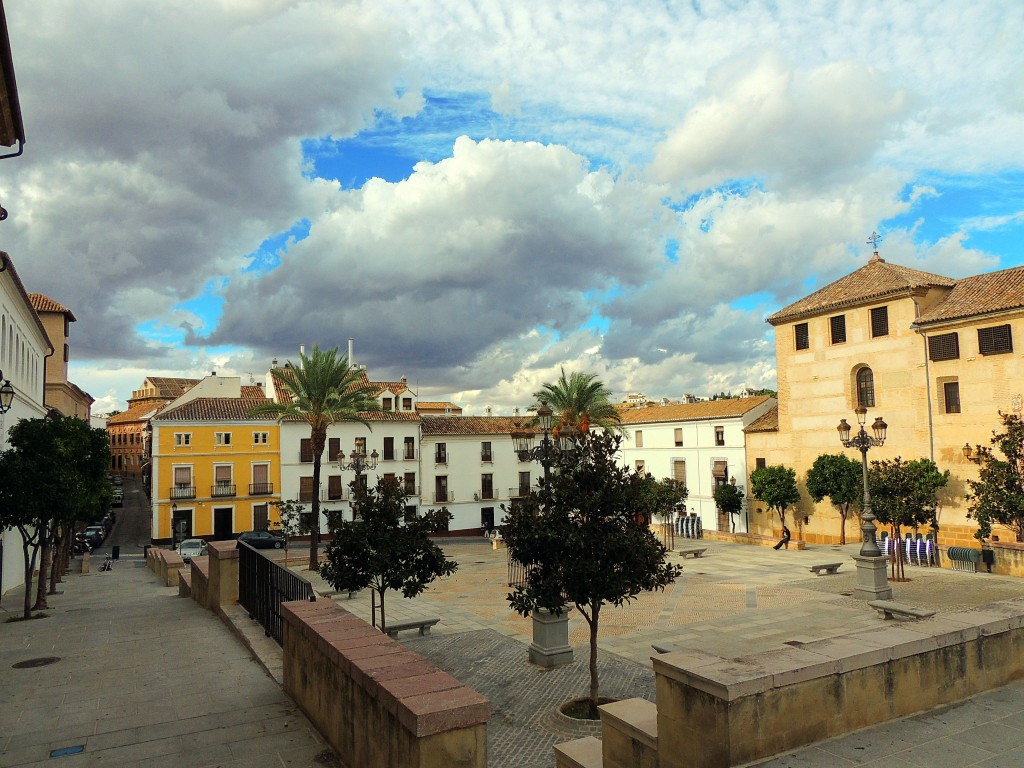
(223, 523)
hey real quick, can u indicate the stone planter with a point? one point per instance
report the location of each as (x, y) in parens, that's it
(550, 646)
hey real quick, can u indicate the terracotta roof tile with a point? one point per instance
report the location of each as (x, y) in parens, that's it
(253, 392)
(473, 425)
(215, 409)
(707, 409)
(874, 281)
(43, 303)
(979, 295)
(437, 405)
(394, 387)
(137, 412)
(171, 387)
(767, 422)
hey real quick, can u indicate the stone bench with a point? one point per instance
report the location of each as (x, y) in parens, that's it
(889, 609)
(826, 567)
(423, 625)
(692, 552)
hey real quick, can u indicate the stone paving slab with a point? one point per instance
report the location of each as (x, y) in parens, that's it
(145, 678)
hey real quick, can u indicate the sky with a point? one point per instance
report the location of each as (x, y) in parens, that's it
(480, 192)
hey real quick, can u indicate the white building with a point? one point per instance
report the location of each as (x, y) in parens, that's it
(24, 349)
(701, 444)
(468, 465)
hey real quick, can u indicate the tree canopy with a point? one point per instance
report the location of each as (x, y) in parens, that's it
(729, 498)
(839, 478)
(384, 550)
(580, 541)
(776, 486)
(323, 389)
(579, 400)
(997, 496)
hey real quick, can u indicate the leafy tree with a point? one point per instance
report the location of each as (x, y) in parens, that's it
(52, 477)
(659, 497)
(324, 389)
(382, 549)
(579, 400)
(729, 499)
(841, 479)
(776, 487)
(997, 496)
(580, 543)
(904, 493)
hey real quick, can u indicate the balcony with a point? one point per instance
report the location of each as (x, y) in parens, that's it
(488, 494)
(441, 458)
(409, 453)
(336, 494)
(444, 497)
(261, 489)
(519, 493)
(183, 492)
(411, 489)
(222, 489)
(487, 457)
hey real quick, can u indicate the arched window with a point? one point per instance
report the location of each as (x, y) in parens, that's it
(865, 388)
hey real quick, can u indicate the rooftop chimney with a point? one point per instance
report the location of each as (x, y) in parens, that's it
(351, 353)
(302, 349)
(273, 363)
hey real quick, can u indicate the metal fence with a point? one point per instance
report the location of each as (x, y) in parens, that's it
(263, 585)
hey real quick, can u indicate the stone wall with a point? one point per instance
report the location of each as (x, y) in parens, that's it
(375, 702)
(714, 713)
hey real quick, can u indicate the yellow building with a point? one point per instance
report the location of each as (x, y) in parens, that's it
(215, 469)
(931, 355)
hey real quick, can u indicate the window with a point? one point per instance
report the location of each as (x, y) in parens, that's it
(951, 396)
(837, 325)
(441, 489)
(719, 435)
(485, 452)
(333, 448)
(945, 346)
(410, 513)
(305, 450)
(524, 483)
(486, 486)
(385, 404)
(441, 453)
(879, 322)
(865, 388)
(222, 474)
(260, 517)
(410, 484)
(389, 449)
(640, 464)
(802, 337)
(679, 437)
(406, 403)
(639, 437)
(679, 471)
(222, 438)
(305, 489)
(261, 484)
(487, 518)
(334, 488)
(67, 353)
(409, 448)
(182, 438)
(260, 438)
(996, 340)
(760, 463)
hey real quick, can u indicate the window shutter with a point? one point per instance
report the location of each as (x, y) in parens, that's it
(305, 450)
(679, 471)
(260, 474)
(222, 474)
(838, 327)
(305, 489)
(333, 487)
(880, 321)
(333, 448)
(183, 476)
(803, 339)
(995, 340)
(945, 346)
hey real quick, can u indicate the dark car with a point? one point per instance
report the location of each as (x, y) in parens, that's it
(262, 540)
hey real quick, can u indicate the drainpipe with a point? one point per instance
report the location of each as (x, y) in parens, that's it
(927, 380)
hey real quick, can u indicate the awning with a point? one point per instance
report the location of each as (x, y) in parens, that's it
(720, 469)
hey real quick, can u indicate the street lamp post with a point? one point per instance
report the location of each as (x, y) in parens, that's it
(6, 394)
(872, 583)
(359, 463)
(549, 449)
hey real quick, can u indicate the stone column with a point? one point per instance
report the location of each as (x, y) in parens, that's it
(223, 586)
(550, 646)
(872, 580)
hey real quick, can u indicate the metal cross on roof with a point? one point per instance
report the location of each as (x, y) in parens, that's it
(874, 240)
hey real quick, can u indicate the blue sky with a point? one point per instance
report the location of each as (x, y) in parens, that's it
(480, 193)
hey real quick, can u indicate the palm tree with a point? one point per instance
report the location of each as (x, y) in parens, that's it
(324, 389)
(581, 401)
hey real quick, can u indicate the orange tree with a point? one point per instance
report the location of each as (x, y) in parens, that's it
(580, 543)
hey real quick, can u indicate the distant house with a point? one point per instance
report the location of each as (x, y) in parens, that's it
(127, 430)
(60, 395)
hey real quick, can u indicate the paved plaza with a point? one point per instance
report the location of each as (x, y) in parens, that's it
(147, 678)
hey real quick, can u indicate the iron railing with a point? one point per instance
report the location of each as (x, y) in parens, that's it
(261, 489)
(263, 585)
(222, 489)
(183, 492)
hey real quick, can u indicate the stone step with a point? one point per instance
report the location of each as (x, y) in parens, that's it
(582, 753)
(629, 734)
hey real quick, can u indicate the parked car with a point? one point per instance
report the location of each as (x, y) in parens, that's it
(118, 500)
(95, 534)
(117, 480)
(262, 540)
(190, 548)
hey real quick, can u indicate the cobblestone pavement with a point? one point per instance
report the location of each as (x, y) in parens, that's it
(735, 601)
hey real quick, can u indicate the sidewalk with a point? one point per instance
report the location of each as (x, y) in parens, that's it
(143, 678)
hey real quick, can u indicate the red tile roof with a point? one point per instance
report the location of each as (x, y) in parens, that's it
(215, 409)
(766, 422)
(136, 412)
(874, 281)
(473, 425)
(43, 303)
(979, 295)
(706, 409)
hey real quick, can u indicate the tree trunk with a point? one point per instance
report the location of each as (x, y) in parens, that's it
(317, 439)
(30, 565)
(383, 622)
(46, 555)
(595, 613)
(842, 526)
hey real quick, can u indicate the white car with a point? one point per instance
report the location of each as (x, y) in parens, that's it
(190, 548)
